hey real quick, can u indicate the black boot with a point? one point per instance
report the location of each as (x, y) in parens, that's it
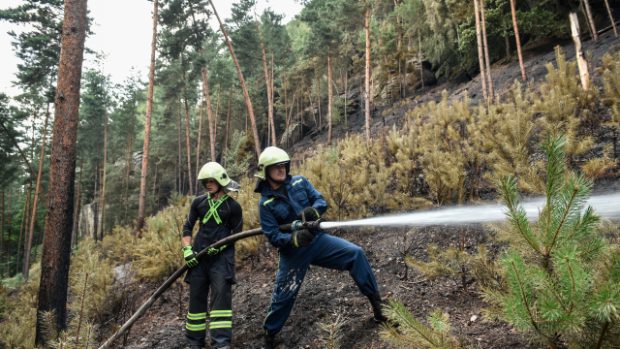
(377, 304)
(270, 341)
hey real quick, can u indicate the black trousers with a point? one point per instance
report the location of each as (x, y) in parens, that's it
(212, 274)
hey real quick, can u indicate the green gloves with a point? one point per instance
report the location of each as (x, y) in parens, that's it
(212, 251)
(189, 256)
(300, 238)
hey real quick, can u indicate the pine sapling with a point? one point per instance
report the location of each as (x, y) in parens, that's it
(558, 284)
(412, 333)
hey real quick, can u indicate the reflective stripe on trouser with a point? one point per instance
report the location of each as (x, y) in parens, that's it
(325, 251)
(203, 279)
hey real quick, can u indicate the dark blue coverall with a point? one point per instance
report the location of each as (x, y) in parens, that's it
(282, 206)
(216, 271)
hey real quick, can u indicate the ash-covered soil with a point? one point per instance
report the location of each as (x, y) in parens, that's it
(328, 297)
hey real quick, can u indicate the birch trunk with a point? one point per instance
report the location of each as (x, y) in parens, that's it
(147, 126)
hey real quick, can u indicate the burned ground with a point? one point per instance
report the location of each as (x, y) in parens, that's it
(328, 296)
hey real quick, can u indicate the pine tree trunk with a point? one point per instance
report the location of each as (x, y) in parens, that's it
(96, 203)
(367, 75)
(179, 156)
(103, 176)
(582, 65)
(76, 209)
(35, 201)
(246, 94)
(318, 98)
(147, 126)
(23, 228)
(199, 136)
(206, 94)
(483, 74)
(329, 99)
(611, 18)
(270, 138)
(420, 58)
(216, 117)
(590, 19)
(485, 46)
(188, 147)
(515, 26)
(273, 117)
(129, 165)
(57, 241)
(346, 95)
(227, 134)
(2, 222)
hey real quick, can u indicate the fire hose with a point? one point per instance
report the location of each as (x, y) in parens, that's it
(172, 278)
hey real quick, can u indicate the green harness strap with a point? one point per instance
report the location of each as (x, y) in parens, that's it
(213, 206)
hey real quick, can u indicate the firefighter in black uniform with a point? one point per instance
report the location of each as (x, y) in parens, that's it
(219, 216)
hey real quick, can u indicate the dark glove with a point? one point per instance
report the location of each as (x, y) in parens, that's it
(189, 256)
(300, 238)
(310, 214)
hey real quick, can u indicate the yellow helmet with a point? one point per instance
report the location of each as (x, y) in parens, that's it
(272, 156)
(218, 173)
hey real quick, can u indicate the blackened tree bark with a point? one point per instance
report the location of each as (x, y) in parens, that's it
(58, 222)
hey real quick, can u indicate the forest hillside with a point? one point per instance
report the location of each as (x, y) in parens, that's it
(387, 107)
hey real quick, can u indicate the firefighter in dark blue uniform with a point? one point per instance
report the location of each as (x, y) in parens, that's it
(219, 216)
(286, 199)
